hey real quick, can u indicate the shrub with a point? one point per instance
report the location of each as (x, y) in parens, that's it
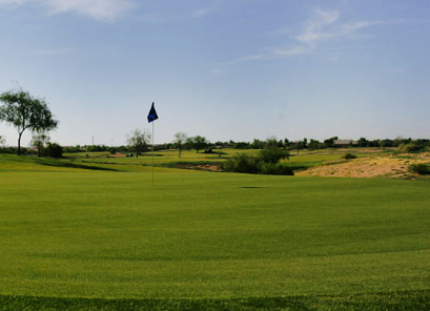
(242, 163)
(54, 150)
(276, 169)
(112, 150)
(421, 169)
(349, 156)
(411, 147)
(273, 155)
(265, 163)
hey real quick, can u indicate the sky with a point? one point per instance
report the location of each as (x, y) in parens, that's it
(224, 69)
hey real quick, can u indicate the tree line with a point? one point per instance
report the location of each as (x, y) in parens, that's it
(26, 112)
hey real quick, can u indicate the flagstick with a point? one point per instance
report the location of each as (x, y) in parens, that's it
(153, 152)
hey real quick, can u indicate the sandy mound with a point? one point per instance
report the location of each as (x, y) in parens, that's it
(384, 166)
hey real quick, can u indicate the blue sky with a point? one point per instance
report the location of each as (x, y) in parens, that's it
(225, 69)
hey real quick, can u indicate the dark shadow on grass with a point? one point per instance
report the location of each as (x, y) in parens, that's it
(73, 165)
(253, 187)
(393, 301)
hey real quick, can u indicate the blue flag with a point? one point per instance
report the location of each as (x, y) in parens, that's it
(152, 116)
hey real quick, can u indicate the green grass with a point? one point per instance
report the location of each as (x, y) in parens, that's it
(169, 158)
(396, 301)
(219, 241)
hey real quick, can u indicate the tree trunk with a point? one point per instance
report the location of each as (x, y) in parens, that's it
(19, 144)
(180, 151)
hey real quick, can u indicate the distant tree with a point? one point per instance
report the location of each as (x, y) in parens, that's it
(112, 150)
(287, 143)
(362, 142)
(197, 143)
(123, 149)
(398, 141)
(387, 143)
(139, 140)
(329, 143)
(179, 141)
(299, 145)
(314, 145)
(374, 143)
(258, 144)
(2, 140)
(54, 150)
(39, 141)
(271, 142)
(24, 111)
(242, 145)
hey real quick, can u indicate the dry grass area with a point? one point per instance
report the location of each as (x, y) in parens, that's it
(379, 166)
(200, 167)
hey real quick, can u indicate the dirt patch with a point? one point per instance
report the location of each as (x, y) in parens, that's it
(385, 166)
(201, 167)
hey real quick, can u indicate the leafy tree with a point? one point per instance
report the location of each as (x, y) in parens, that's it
(398, 141)
(2, 140)
(54, 150)
(362, 142)
(24, 111)
(139, 140)
(242, 145)
(257, 144)
(298, 146)
(387, 143)
(111, 150)
(197, 143)
(314, 145)
(179, 140)
(374, 143)
(329, 143)
(271, 142)
(39, 140)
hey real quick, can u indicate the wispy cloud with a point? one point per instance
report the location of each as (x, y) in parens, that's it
(296, 50)
(324, 25)
(100, 10)
(203, 12)
(210, 7)
(315, 29)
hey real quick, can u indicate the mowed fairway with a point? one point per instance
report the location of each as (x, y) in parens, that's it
(201, 235)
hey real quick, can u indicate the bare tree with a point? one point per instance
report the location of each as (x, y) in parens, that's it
(179, 140)
(139, 140)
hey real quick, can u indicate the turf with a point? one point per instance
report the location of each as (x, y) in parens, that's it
(211, 239)
(396, 301)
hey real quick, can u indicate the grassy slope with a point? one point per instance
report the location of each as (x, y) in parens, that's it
(209, 236)
(169, 158)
